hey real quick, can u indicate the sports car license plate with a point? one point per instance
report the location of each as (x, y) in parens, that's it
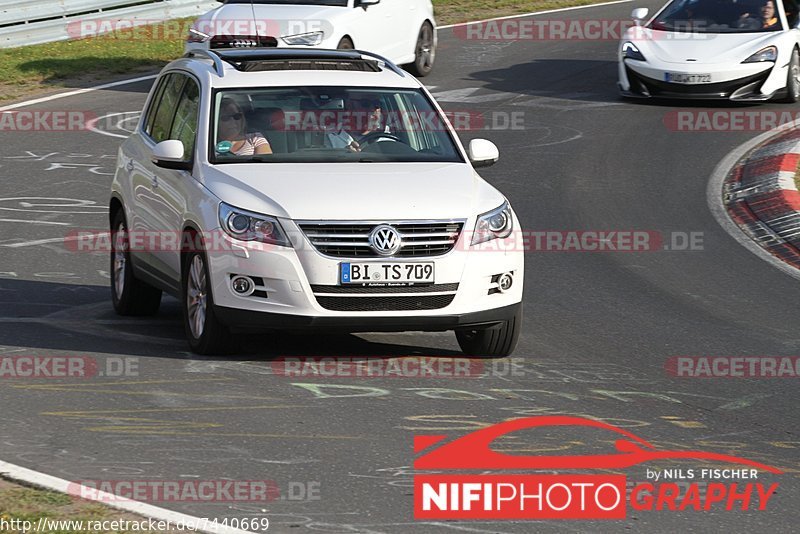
(678, 77)
(386, 274)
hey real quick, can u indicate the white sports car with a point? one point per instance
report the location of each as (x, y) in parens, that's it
(742, 50)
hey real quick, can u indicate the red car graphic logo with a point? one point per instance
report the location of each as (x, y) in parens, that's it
(473, 450)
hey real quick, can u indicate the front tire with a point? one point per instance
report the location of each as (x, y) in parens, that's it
(424, 52)
(130, 296)
(793, 79)
(205, 333)
(495, 342)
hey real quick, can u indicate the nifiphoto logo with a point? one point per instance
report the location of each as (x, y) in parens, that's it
(444, 490)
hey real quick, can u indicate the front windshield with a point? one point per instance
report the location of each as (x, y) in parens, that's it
(328, 125)
(719, 16)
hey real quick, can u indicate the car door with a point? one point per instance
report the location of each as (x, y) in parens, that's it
(164, 192)
(401, 18)
(138, 151)
(373, 30)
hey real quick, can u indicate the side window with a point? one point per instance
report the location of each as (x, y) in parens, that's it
(162, 123)
(151, 110)
(184, 126)
(790, 7)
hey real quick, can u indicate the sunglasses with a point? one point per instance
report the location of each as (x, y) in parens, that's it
(234, 116)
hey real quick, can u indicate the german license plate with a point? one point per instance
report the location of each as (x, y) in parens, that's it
(689, 79)
(386, 274)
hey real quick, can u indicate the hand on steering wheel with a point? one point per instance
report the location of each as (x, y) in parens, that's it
(374, 136)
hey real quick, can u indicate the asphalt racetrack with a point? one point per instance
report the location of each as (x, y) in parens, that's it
(598, 331)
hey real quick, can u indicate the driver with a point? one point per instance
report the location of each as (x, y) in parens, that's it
(767, 19)
(768, 14)
(375, 117)
(336, 135)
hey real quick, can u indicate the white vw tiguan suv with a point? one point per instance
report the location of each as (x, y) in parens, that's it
(287, 190)
(402, 30)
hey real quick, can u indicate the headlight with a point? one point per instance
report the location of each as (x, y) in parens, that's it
(196, 36)
(630, 51)
(496, 224)
(247, 226)
(769, 53)
(306, 39)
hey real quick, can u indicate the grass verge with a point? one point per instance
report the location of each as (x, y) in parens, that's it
(20, 504)
(30, 70)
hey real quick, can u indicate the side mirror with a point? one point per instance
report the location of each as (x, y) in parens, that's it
(482, 153)
(639, 15)
(169, 155)
(366, 3)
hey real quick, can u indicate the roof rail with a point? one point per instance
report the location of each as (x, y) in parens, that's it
(213, 56)
(265, 54)
(233, 56)
(394, 68)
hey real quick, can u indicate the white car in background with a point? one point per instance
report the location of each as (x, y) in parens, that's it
(403, 31)
(741, 50)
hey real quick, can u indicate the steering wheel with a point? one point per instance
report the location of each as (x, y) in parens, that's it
(374, 136)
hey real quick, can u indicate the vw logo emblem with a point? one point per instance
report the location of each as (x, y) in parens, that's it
(385, 240)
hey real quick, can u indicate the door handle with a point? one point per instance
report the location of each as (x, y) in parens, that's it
(155, 182)
(130, 165)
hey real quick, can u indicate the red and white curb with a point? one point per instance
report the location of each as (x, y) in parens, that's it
(760, 195)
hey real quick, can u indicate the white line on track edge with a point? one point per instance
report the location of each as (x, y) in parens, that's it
(534, 13)
(15, 472)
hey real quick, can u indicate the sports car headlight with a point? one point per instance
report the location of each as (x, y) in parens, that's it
(306, 39)
(630, 51)
(196, 36)
(496, 224)
(247, 226)
(769, 53)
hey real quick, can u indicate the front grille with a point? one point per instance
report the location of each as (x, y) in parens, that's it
(361, 290)
(351, 240)
(700, 90)
(365, 304)
(242, 41)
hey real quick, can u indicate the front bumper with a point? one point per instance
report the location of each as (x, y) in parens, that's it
(299, 288)
(751, 87)
(244, 320)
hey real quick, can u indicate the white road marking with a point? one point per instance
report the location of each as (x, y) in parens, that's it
(41, 242)
(78, 92)
(534, 13)
(467, 96)
(92, 124)
(35, 222)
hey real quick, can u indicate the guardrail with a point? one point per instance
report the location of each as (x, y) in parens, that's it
(27, 22)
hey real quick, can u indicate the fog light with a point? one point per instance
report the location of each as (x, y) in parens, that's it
(243, 286)
(505, 282)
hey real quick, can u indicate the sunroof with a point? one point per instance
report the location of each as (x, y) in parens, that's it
(361, 65)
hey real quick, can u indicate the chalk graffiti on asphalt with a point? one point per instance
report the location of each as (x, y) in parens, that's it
(67, 161)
